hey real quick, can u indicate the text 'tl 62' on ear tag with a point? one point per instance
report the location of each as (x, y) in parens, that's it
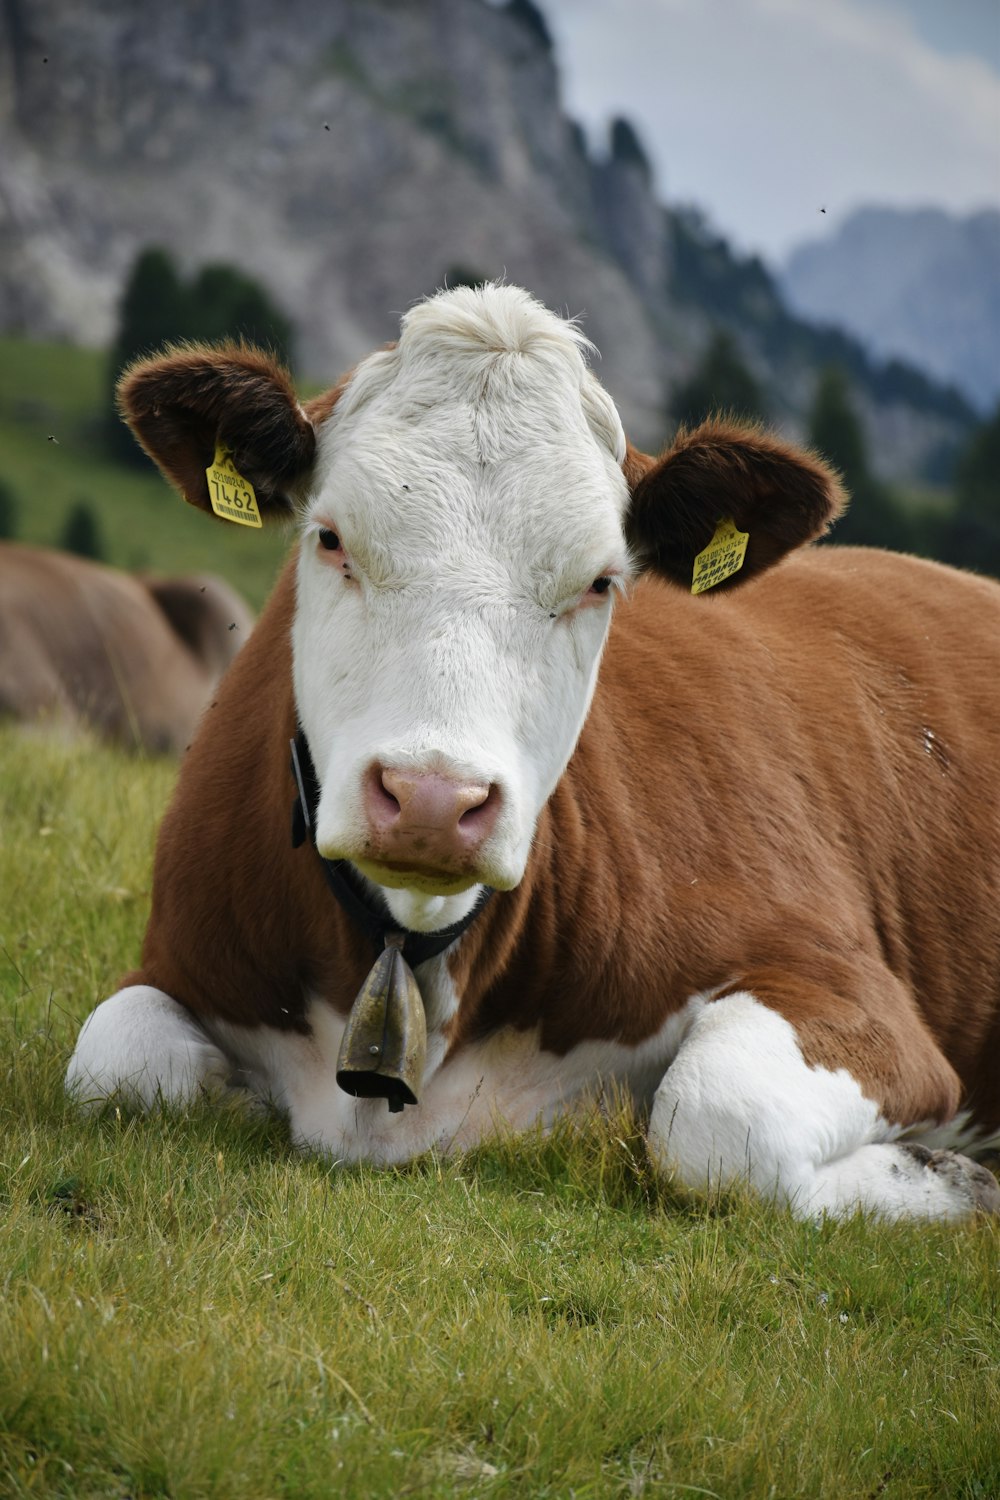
(232, 497)
(721, 558)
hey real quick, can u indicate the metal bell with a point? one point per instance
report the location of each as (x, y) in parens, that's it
(384, 1046)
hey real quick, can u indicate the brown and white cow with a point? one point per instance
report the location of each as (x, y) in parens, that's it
(133, 658)
(750, 873)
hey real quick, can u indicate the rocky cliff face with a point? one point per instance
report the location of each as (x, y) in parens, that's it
(919, 284)
(346, 152)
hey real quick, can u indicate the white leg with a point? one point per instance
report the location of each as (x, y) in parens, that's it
(145, 1047)
(739, 1103)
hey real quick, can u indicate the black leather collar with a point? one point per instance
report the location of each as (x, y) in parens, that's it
(379, 926)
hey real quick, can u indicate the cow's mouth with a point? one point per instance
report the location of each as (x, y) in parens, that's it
(409, 875)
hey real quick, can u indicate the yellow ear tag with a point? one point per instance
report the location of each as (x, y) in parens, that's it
(231, 495)
(721, 558)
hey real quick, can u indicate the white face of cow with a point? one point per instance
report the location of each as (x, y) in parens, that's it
(461, 548)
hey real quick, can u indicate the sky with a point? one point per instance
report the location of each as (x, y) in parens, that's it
(778, 117)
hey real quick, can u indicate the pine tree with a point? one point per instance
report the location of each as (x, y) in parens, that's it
(835, 429)
(8, 511)
(721, 383)
(873, 519)
(81, 532)
(224, 303)
(977, 479)
(157, 308)
(151, 313)
(970, 536)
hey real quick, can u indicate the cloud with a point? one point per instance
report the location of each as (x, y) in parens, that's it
(765, 111)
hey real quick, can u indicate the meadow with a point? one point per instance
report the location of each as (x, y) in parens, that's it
(192, 1309)
(189, 1308)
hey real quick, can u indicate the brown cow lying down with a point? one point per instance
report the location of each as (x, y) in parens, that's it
(134, 658)
(749, 872)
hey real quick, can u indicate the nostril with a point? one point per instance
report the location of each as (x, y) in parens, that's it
(386, 791)
(383, 805)
(482, 811)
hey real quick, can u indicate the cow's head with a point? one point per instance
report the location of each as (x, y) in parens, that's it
(469, 514)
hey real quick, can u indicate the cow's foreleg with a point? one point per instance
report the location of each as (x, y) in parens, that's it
(142, 1046)
(773, 1099)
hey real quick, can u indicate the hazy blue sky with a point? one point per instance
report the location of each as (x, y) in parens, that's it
(764, 112)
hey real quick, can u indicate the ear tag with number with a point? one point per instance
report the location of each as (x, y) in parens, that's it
(721, 558)
(231, 495)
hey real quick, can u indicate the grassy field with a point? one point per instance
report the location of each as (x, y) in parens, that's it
(191, 1309)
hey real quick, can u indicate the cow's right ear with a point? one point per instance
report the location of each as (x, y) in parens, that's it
(187, 403)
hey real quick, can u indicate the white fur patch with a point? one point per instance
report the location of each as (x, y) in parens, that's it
(142, 1046)
(739, 1103)
(472, 475)
(505, 1081)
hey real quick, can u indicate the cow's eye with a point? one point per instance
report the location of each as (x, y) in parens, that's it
(600, 586)
(329, 540)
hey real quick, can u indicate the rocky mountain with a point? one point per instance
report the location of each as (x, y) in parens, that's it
(920, 285)
(352, 153)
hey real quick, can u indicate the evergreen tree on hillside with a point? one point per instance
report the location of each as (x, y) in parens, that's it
(151, 312)
(977, 486)
(721, 383)
(158, 308)
(224, 303)
(970, 536)
(835, 429)
(81, 532)
(152, 304)
(873, 518)
(8, 512)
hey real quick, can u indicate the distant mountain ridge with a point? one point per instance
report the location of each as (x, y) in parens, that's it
(917, 284)
(349, 154)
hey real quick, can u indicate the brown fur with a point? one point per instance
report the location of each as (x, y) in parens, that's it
(179, 406)
(136, 659)
(768, 817)
(781, 496)
(789, 786)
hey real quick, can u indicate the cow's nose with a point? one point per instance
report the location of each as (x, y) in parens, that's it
(428, 819)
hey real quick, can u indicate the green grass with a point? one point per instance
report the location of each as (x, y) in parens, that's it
(54, 391)
(189, 1308)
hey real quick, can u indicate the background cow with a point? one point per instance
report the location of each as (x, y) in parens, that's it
(759, 888)
(135, 658)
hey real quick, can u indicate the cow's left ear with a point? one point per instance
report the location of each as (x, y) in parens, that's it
(184, 405)
(779, 496)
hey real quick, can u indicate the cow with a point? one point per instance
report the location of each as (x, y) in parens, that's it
(133, 658)
(747, 873)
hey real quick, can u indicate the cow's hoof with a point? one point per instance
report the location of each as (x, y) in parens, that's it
(974, 1182)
